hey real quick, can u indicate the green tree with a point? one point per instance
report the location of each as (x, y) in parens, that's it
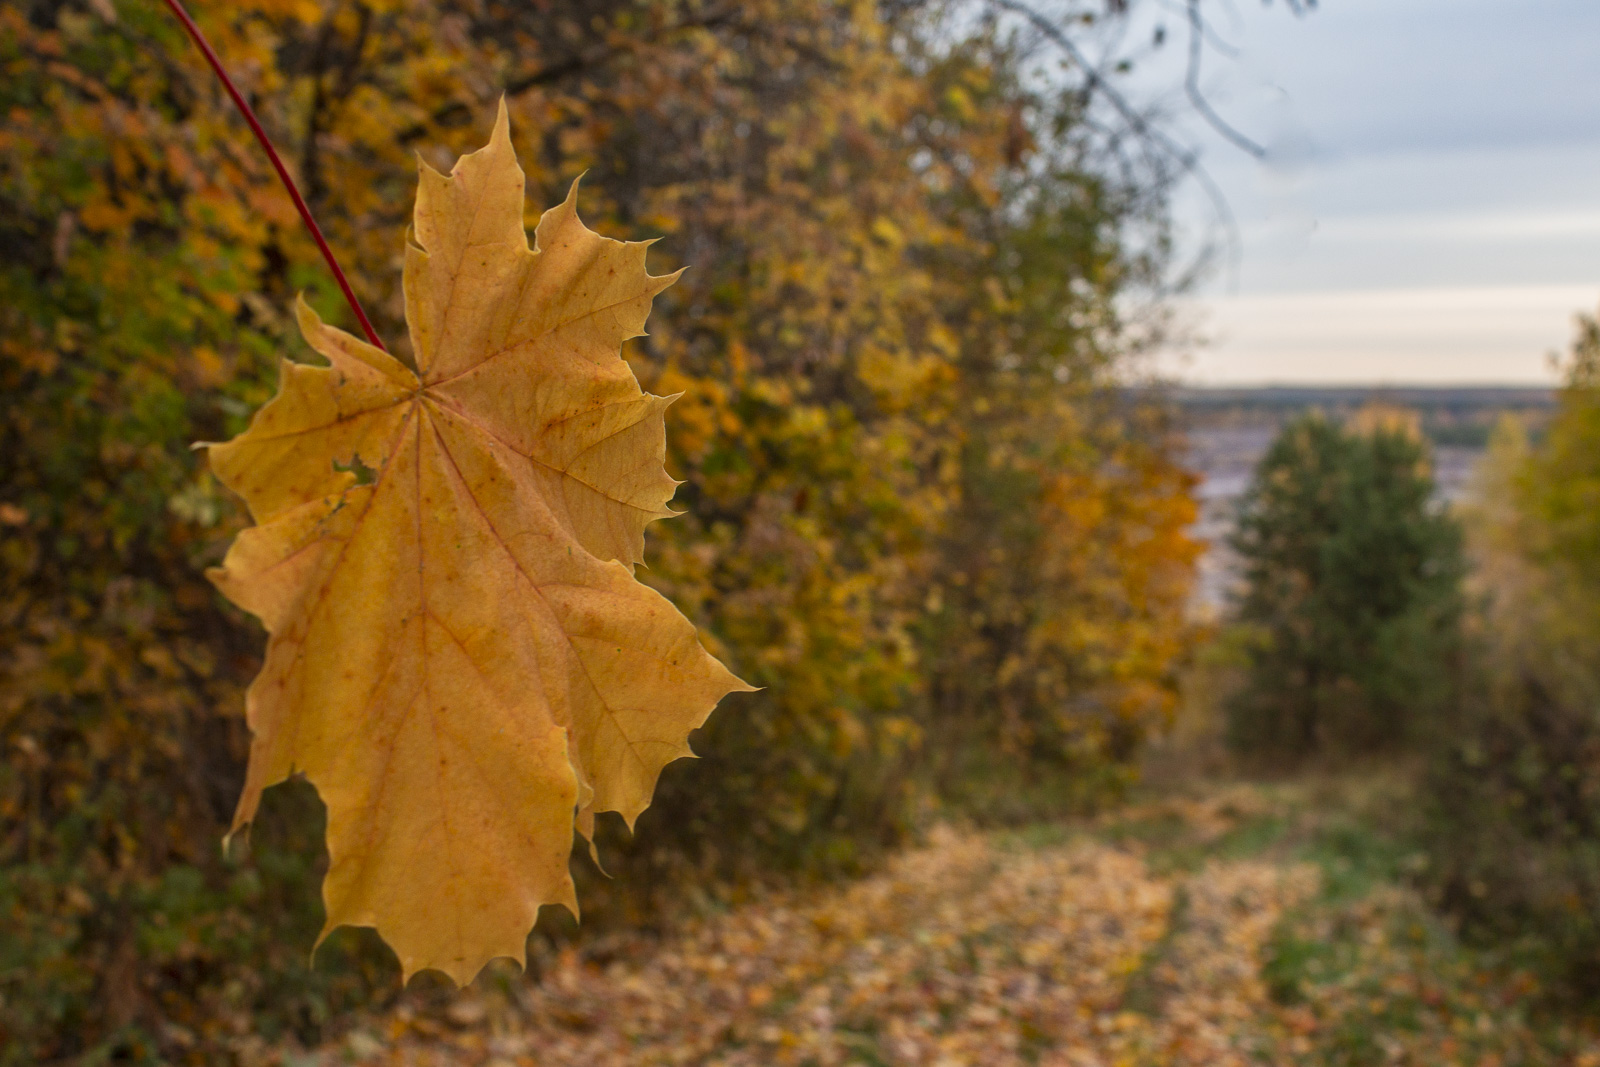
(1352, 591)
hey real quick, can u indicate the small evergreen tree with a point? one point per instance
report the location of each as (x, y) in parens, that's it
(1352, 591)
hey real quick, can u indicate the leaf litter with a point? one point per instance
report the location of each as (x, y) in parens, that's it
(994, 949)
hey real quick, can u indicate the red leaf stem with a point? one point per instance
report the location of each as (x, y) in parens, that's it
(277, 163)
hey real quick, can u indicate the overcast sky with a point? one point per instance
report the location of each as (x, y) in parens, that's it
(1430, 207)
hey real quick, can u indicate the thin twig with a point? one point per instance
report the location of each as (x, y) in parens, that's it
(1213, 38)
(1094, 82)
(272, 153)
(1191, 82)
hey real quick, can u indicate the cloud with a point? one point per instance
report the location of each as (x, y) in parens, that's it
(1438, 218)
(1374, 77)
(1427, 335)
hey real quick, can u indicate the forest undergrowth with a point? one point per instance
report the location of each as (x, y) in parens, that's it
(1210, 923)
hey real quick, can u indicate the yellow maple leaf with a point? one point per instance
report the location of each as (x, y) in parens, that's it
(460, 659)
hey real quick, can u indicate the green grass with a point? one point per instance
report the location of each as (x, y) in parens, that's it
(1143, 993)
(1370, 972)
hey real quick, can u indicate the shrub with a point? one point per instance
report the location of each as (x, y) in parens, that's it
(1513, 789)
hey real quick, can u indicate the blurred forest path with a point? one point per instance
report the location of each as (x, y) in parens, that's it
(1216, 924)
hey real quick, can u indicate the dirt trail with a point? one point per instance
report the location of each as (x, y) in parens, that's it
(1152, 939)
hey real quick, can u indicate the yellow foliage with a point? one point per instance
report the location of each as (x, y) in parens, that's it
(915, 509)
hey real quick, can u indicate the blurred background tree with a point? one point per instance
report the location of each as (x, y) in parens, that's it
(921, 509)
(1351, 592)
(1513, 814)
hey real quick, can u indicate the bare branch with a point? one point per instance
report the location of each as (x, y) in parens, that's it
(1191, 83)
(1095, 82)
(1213, 38)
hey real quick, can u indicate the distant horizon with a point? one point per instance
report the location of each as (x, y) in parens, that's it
(1358, 386)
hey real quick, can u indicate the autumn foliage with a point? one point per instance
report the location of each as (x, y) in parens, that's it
(460, 657)
(919, 509)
